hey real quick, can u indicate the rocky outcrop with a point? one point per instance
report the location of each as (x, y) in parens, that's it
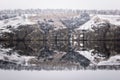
(22, 33)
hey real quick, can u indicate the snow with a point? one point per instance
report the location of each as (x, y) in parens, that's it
(27, 58)
(113, 19)
(14, 23)
(114, 60)
(88, 55)
(14, 57)
(87, 25)
(24, 20)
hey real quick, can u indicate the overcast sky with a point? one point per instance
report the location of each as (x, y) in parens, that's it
(60, 4)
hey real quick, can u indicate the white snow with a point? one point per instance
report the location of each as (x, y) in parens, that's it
(27, 58)
(87, 25)
(24, 19)
(14, 23)
(114, 60)
(113, 19)
(20, 20)
(88, 55)
(14, 57)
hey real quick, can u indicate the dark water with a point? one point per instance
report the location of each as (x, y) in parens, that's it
(60, 60)
(60, 55)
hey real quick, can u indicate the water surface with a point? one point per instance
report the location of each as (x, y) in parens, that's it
(61, 60)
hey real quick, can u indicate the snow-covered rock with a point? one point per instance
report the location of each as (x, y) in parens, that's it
(99, 19)
(14, 22)
(114, 60)
(8, 55)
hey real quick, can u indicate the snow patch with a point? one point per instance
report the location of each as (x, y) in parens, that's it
(115, 60)
(88, 55)
(13, 23)
(113, 19)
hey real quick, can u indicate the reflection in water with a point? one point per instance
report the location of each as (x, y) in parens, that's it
(60, 55)
(73, 56)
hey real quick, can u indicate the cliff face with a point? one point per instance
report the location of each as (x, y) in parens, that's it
(37, 27)
(22, 32)
(95, 27)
